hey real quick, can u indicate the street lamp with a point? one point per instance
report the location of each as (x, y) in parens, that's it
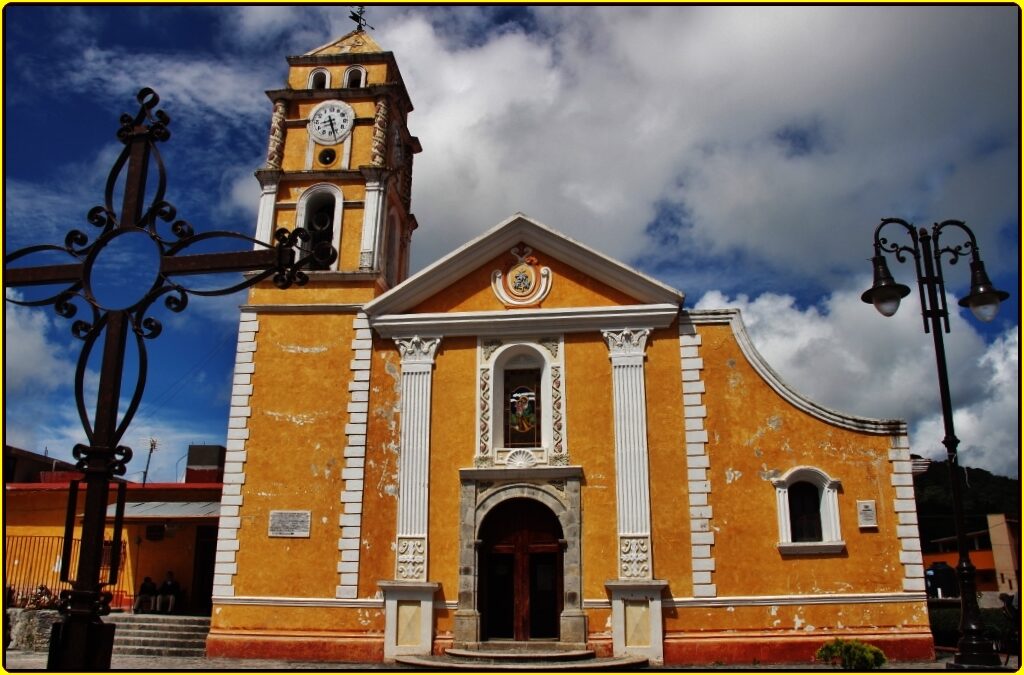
(983, 301)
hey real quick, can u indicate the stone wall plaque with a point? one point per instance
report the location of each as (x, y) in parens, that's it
(866, 515)
(289, 524)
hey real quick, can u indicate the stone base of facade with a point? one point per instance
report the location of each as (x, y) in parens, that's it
(350, 647)
(748, 649)
(408, 617)
(679, 648)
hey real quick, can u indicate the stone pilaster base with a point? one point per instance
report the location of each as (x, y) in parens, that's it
(573, 624)
(637, 624)
(466, 631)
(408, 617)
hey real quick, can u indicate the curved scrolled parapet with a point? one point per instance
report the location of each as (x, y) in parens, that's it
(732, 317)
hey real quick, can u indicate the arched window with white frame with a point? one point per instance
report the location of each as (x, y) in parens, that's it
(355, 77)
(521, 409)
(319, 212)
(807, 507)
(320, 79)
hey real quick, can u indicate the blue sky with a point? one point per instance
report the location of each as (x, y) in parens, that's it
(741, 154)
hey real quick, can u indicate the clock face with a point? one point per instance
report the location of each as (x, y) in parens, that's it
(331, 121)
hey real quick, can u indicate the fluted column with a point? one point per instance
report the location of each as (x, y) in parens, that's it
(632, 490)
(414, 457)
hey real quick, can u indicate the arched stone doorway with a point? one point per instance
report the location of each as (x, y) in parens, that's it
(520, 563)
(548, 500)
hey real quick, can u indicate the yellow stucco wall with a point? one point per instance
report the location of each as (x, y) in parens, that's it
(590, 434)
(666, 446)
(295, 448)
(756, 436)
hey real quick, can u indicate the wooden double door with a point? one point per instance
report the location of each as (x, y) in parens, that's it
(520, 561)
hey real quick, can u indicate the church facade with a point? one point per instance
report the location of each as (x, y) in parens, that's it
(526, 441)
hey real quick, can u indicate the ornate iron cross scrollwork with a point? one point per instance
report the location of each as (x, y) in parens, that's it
(151, 225)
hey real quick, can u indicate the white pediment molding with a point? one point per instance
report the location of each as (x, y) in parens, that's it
(731, 316)
(500, 239)
(520, 322)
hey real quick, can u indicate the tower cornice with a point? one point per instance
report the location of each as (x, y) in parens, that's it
(342, 59)
(394, 89)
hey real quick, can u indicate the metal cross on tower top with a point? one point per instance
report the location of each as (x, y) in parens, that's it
(357, 16)
(82, 641)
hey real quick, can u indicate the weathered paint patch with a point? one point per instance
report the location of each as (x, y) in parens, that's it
(732, 475)
(299, 419)
(299, 349)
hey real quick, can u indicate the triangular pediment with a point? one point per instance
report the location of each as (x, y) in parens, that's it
(356, 42)
(462, 280)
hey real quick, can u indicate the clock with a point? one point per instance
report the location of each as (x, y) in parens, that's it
(331, 121)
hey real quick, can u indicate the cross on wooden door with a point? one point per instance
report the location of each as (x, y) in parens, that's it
(82, 641)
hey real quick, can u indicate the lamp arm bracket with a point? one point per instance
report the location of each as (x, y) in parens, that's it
(969, 247)
(883, 244)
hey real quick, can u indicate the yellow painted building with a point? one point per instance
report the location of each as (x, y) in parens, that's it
(526, 441)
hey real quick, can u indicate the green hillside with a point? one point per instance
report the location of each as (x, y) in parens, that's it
(985, 493)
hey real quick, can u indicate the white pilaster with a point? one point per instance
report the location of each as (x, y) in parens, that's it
(414, 458)
(632, 489)
(373, 222)
(265, 214)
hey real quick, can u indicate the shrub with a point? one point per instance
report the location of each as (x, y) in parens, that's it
(851, 655)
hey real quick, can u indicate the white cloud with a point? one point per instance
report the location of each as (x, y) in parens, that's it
(845, 356)
(34, 364)
(604, 113)
(988, 428)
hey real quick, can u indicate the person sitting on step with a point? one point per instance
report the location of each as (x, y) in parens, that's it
(167, 593)
(146, 596)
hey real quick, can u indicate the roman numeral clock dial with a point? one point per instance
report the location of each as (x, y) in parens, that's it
(331, 121)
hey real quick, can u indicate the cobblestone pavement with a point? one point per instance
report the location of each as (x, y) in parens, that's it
(19, 660)
(28, 661)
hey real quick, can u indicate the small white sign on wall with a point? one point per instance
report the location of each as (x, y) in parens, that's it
(866, 514)
(289, 524)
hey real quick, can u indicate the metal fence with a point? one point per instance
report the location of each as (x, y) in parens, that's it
(30, 562)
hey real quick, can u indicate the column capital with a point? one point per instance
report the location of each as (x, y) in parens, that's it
(417, 349)
(627, 341)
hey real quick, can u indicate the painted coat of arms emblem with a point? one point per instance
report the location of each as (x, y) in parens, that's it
(525, 282)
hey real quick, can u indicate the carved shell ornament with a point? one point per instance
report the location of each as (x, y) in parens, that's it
(524, 282)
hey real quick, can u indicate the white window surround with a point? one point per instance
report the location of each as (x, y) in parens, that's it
(327, 78)
(348, 74)
(303, 203)
(521, 354)
(831, 535)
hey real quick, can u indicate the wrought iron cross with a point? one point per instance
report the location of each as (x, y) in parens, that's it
(82, 641)
(357, 16)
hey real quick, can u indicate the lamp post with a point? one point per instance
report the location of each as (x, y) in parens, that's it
(983, 301)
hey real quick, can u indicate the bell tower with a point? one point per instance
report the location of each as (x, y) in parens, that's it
(339, 162)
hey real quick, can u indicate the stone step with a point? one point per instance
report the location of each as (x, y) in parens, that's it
(160, 634)
(156, 630)
(158, 651)
(175, 619)
(521, 654)
(194, 643)
(504, 664)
